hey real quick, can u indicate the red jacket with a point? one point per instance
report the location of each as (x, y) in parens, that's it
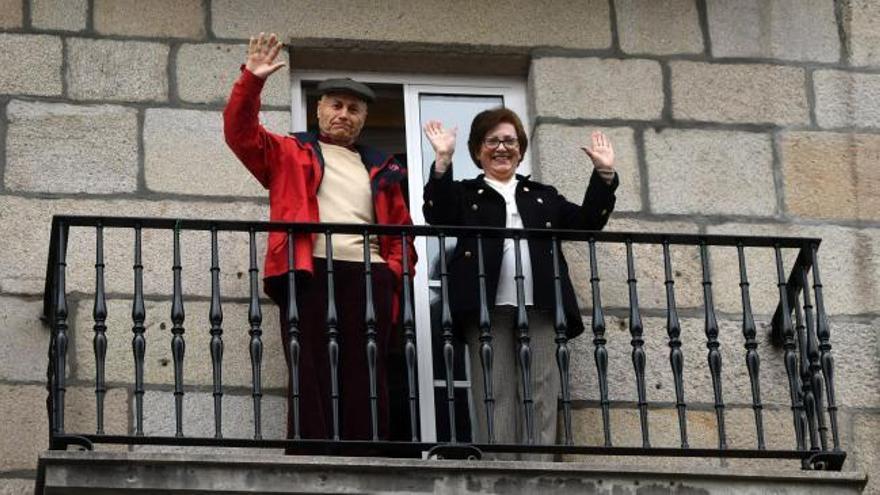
(291, 168)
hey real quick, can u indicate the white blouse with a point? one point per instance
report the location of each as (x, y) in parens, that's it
(506, 294)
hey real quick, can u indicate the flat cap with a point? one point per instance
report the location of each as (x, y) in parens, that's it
(349, 86)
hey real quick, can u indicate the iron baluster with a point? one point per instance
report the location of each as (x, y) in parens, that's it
(138, 342)
(409, 346)
(99, 342)
(813, 373)
(60, 330)
(826, 359)
(255, 318)
(524, 352)
(676, 356)
(712, 343)
(448, 349)
(600, 354)
(486, 351)
(637, 342)
(372, 348)
(753, 361)
(332, 337)
(215, 315)
(789, 354)
(293, 347)
(563, 356)
(178, 346)
(805, 396)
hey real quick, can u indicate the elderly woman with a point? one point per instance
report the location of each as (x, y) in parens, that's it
(501, 198)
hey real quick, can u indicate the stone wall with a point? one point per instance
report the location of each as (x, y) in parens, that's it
(747, 117)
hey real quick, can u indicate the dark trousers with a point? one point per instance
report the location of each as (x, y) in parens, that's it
(316, 413)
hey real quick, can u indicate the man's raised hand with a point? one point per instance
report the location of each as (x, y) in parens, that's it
(443, 142)
(261, 55)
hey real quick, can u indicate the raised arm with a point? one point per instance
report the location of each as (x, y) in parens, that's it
(599, 198)
(250, 142)
(441, 194)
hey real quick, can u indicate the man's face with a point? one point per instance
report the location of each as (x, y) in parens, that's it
(341, 117)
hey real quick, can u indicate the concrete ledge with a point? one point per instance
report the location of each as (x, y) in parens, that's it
(105, 472)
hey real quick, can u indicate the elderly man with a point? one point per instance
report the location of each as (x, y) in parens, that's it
(325, 177)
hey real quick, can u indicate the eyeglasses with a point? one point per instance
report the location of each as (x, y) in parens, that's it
(494, 143)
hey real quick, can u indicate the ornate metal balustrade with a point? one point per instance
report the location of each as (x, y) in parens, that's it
(807, 352)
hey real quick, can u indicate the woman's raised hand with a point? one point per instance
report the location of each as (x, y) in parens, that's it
(443, 142)
(602, 155)
(261, 55)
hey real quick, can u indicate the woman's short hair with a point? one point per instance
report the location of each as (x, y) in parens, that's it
(485, 121)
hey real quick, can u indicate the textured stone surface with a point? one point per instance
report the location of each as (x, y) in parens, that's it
(16, 486)
(710, 172)
(10, 14)
(158, 362)
(24, 437)
(746, 93)
(170, 135)
(848, 262)
(32, 62)
(198, 415)
(831, 175)
(866, 449)
(206, 72)
(590, 88)
(570, 23)
(563, 164)
(158, 18)
(56, 147)
(27, 221)
(80, 410)
(847, 99)
(648, 261)
(861, 18)
(64, 15)
(130, 70)
(25, 340)
(784, 29)
(647, 26)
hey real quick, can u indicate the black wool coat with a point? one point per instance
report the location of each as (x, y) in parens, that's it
(474, 203)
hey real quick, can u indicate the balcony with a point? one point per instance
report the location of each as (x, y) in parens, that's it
(678, 437)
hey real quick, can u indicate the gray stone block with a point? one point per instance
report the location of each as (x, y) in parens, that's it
(23, 263)
(206, 72)
(848, 266)
(739, 93)
(63, 15)
(16, 486)
(56, 147)
(198, 416)
(33, 64)
(561, 162)
(156, 18)
(847, 99)
(803, 30)
(569, 23)
(10, 14)
(592, 88)
(860, 23)
(831, 175)
(648, 259)
(130, 70)
(659, 27)
(866, 449)
(26, 435)
(25, 340)
(210, 167)
(709, 172)
(158, 361)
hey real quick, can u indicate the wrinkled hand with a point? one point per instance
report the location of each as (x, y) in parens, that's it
(443, 142)
(261, 55)
(602, 155)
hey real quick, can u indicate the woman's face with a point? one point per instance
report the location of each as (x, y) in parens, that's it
(499, 153)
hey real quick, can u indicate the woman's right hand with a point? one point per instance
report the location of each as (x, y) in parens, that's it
(443, 142)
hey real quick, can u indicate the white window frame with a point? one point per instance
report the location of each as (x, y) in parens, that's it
(513, 91)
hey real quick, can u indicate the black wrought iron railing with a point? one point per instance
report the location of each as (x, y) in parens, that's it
(806, 347)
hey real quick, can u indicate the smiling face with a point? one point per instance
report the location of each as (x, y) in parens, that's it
(341, 117)
(500, 162)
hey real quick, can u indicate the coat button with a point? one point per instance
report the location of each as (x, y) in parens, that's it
(540, 201)
(479, 191)
(467, 254)
(475, 207)
(548, 225)
(604, 212)
(430, 202)
(526, 189)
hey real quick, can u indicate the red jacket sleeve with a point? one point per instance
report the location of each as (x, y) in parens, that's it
(251, 143)
(398, 214)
